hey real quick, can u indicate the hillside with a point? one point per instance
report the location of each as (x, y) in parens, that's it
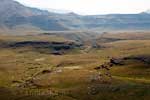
(56, 67)
(65, 56)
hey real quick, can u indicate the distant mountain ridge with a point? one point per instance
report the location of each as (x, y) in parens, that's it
(14, 15)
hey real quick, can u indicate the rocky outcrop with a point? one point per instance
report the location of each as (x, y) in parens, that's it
(121, 61)
(56, 48)
(116, 61)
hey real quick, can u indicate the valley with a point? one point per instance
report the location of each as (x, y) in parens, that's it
(47, 55)
(58, 67)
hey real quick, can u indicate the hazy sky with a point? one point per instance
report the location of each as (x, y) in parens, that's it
(92, 6)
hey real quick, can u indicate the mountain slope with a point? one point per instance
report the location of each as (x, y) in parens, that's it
(15, 16)
(120, 21)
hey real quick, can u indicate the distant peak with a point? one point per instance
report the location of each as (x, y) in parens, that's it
(72, 13)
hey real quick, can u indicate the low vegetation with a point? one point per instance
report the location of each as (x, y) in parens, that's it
(113, 66)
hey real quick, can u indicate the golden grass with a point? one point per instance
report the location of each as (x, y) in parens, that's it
(21, 66)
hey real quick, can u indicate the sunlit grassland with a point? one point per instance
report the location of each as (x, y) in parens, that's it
(130, 81)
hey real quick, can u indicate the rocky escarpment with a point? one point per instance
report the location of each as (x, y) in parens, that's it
(123, 61)
(56, 48)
